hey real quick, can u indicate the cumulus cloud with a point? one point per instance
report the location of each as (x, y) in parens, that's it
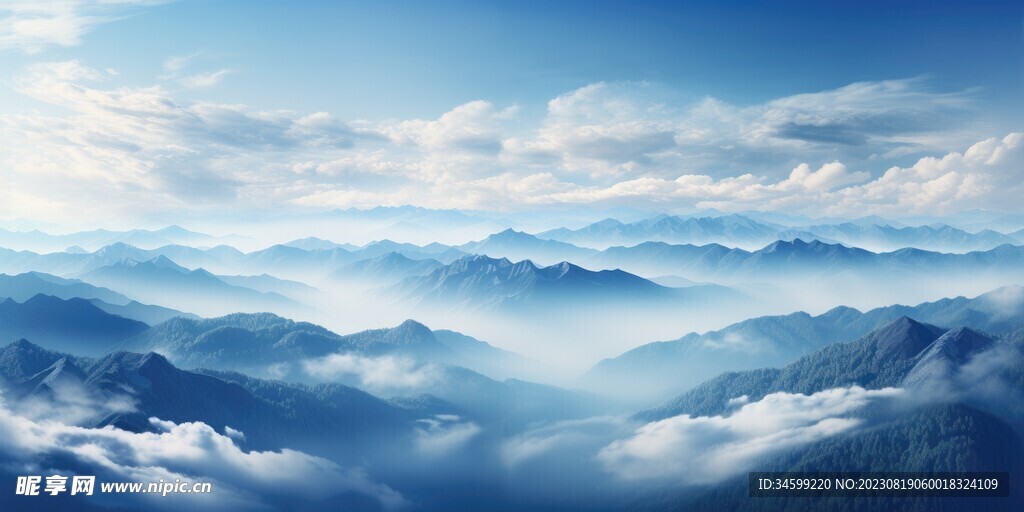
(702, 450)
(376, 373)
(443, 433)
(192, 452)
(139, 146)
(237, 435)
(474, 126)
(129, 150)
(31, 26)
(983, 176)
(626, 129)
(600, 129)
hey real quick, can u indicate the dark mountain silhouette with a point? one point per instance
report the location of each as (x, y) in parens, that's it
(29, 284)
(271, 414)
(145, 313)
(73, 325)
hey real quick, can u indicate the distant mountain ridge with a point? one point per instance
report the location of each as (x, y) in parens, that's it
(481, 282)
(161, 280)
(655, 369)
(93, 240)
(733, 229)
(744, 232)
(699, 262)
(517, 246)
(21, 287)
(385, 269)
(799, 258)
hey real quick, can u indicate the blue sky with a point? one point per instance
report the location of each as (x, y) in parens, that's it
(546, 102)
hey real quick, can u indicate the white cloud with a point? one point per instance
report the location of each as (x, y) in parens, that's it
(201, 80)
(474, 126)
(601, 129)
(192, 452)
(985, 176)
(557, 439)
(31, 26)
(120, 151)
(134, 149)
(177, 63)
(702, 450)
(237, 435)
(443, 434)
(376, 373)
(70, 403)
(628, 129)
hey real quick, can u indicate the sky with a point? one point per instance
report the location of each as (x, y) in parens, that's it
(124, 109)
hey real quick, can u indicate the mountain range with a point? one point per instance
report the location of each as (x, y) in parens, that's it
(794, 255)
(903, 352)
(271, 414)
(461, 370)
(254, 342)
(653, 370)
(744, 232)
(386, 269)
(22, 287)
(92, 240)
(726, 229)
(481, 283)
(958, 413)
(516, 246)
(163, 281)
(802, 260)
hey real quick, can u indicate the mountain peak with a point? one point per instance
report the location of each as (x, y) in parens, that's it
(479, 259)
(509, 235)
(23, 344)
(964, 341)
(393, 256)
(607, 223)
(162, 261)
(903, 338)
(116, 247)
(173, 229)
(44, 300)
(152, 360)
(412, 327)
(948, 353)
(22, 359)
